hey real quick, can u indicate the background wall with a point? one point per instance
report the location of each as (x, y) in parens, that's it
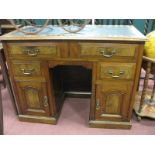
(138, 23)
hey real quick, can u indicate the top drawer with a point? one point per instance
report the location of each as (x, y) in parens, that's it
(40, 50)
(103, 50)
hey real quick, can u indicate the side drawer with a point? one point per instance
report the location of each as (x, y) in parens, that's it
(103, 50)
(116, 70)
(26, 68)
(40, 50)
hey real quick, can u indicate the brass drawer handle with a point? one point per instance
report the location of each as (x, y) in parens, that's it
(27, 71)
(97, 104)
(45, 101)
(31, 52)
(108, 54)
(116, 76)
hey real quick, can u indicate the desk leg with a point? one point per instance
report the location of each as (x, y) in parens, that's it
(1, 114)
(6, 78)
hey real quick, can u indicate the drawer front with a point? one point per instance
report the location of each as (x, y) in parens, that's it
(104, 50)
(47, 50)
(21, 68)
(116, 70)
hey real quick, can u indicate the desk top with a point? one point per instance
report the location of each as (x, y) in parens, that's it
(90, 32)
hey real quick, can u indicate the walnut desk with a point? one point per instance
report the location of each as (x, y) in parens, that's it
(111, 55)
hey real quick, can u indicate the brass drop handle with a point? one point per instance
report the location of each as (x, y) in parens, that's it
(45, 101)
(97, 104)
(108, 54)
(27, 71)
(31, 52)
(121, 72)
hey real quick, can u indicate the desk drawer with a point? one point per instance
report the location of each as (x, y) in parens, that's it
(116, 70)
(23, 68)
(48, 50)
(103, 50)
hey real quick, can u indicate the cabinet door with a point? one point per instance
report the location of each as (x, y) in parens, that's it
(113, 100)
(33, 98)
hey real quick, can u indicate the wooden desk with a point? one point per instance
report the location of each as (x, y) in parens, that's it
(37, 64)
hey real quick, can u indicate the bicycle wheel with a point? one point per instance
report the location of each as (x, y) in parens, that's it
(73, 25)
(29, 26)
